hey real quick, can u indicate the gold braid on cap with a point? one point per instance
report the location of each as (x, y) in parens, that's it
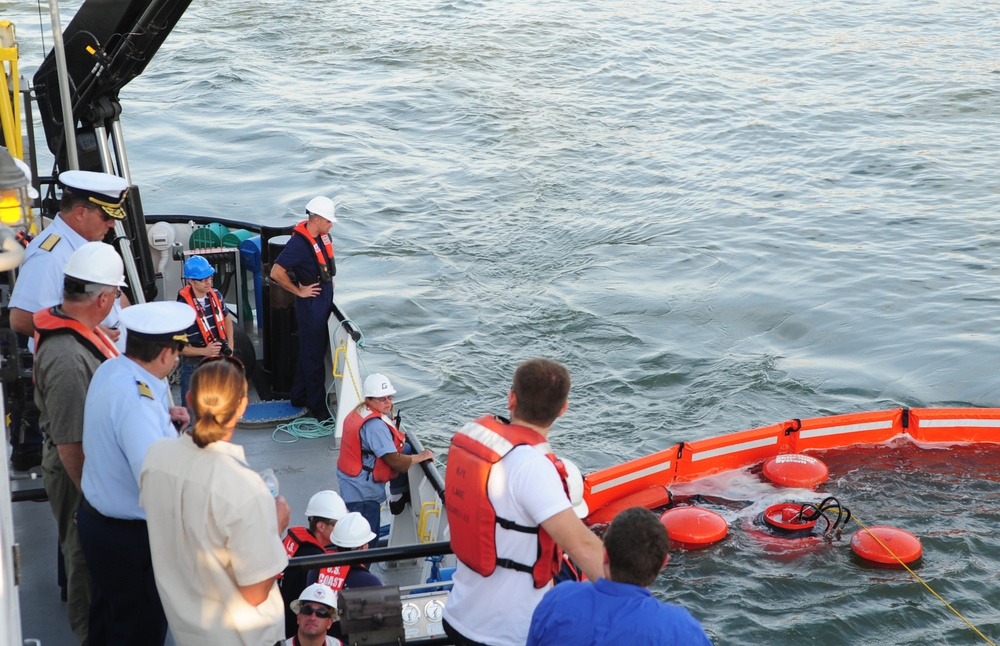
(114, 209)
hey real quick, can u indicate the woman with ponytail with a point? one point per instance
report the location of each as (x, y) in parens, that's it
(214, 528)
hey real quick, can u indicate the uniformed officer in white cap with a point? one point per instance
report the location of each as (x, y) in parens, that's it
(127, 409)
(82, 218)
(91, 202)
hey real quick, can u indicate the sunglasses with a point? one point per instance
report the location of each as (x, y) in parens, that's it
(383, 399)
(322, 613)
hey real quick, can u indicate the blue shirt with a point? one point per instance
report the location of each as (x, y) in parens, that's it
(606, 613)
(299, 257)
(377, 438)
(126, 411)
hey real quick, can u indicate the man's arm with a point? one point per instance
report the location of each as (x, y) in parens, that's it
(400, 462)
(71, 456)
(21, 322)
(578, 541)
(280, 276)
(256, 593)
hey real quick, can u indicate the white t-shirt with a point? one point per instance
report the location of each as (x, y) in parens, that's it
(525, 488)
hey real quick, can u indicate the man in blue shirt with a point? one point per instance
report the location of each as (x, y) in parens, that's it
(619, 608)
(127, 409)
(306, 267)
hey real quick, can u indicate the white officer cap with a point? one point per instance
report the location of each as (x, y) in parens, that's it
(102, 189)
(160, 321)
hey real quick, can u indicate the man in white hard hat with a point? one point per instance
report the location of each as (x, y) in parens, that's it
(352, 533)
(315, 610)
(509, 514)
(306, 267)
(126, 411)
(69, 346)
(91, 202)
(373, 452)
(325, 508)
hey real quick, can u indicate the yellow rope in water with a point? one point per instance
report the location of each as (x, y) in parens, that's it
(925, 584)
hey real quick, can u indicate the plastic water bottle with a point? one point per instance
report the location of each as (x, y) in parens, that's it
(271, 480)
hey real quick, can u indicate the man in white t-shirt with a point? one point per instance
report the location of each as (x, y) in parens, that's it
(510, 548)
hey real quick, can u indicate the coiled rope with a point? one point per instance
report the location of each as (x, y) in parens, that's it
(309, 428)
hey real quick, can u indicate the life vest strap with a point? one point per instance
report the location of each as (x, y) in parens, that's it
(509, 524)
(514, 565)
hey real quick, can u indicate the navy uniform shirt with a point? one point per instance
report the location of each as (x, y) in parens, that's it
(126, 411)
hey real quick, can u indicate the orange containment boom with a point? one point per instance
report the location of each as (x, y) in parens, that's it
(639, 482)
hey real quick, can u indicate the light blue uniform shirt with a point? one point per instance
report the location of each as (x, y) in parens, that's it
(377, 438)
(40, 279)
(126, 411)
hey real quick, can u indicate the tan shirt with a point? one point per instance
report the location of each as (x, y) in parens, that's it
(212, 526)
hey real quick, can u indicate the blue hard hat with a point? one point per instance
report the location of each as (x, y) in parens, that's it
(197, 268)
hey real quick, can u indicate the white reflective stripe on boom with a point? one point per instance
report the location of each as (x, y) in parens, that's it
(491, 440)
(847, 428)
(943, 423)
(629, 477)
(735, 448)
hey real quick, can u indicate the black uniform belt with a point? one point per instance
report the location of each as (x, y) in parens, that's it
(124, 522)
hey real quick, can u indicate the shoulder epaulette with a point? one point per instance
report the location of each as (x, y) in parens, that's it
(144, 390)
(50, 242)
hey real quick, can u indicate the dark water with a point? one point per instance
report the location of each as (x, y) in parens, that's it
(718, 214)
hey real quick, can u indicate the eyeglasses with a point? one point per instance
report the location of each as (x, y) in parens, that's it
(322, 613)
(201, 280)
(383, 399)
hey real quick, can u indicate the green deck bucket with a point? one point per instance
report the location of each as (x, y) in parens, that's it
(208, 237)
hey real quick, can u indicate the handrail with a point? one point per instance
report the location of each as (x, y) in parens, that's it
(375, 555)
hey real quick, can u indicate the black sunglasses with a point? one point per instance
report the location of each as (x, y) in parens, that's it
(322, 613)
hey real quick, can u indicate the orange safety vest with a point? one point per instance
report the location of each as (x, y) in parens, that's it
(218, 313)
(298, 536)
(325, 264)
(475, 448)
(53, 321)
(351, 460)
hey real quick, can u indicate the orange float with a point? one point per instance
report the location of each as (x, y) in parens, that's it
(882, 545)
(795, 470)
(692, 528)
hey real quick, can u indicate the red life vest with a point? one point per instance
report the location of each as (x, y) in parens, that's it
(325, 263)
(351, 454)
(296, 537)
(474, 450)
(218, 314)
(52, 321)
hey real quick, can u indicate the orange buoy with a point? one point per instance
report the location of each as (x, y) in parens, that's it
(692, 528)
(795, 470)
(790, 517)
(900, 542)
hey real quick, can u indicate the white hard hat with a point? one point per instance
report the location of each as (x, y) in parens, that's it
(96, 262)
(574, 480)
(352, 531)
(323, 207)
(326, 504)
(316, 593)
(378, 385)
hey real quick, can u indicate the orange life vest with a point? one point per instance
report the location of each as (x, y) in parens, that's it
(475, 448)
(296, 537)
(52, 321)
(351, 460)
(218, 314)
(325, 264)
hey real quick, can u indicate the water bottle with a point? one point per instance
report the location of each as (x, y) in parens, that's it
(271, 480)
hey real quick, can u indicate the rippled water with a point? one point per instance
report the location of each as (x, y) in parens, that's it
(718, 214)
